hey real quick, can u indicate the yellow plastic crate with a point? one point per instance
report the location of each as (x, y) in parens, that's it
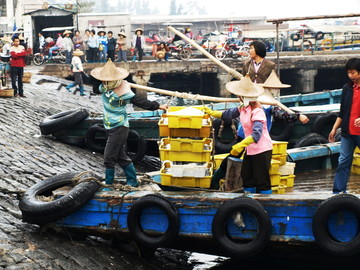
(287, 180)
(275, 179)
(187, 150)
(287, 169)
(281, 158)
(167, 179)
(355, 169)
(165, 131)
(278, 189)
(356, 160)
(275, 164)
(219, 158)
(185, 121)
(279, 147)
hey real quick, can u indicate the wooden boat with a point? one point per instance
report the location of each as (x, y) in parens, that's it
(229, 224)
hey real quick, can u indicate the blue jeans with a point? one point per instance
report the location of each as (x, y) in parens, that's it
(103, 55)
(347, 148)
(53, 49)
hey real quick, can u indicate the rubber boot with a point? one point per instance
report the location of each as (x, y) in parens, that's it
(82, 91)
(250, 189)
(269, 191)
(109, 177)
(69, 86)
(130, 174)
(217, 176)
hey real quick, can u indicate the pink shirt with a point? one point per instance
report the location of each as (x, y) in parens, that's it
(247, 118)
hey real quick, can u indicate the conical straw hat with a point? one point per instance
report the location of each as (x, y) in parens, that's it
(78, 52)
(109, 72)
(274, 82)
(245, 87)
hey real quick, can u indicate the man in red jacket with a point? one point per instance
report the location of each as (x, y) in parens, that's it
(17, 63)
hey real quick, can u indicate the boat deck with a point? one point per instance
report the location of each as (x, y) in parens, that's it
(321, 181)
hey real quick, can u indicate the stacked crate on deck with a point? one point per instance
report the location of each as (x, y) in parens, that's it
(281, 172)
(355, 168)
(186, 147)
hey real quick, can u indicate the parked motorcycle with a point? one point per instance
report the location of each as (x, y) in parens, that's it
(231, 49)
(180, 52)
(43, 56)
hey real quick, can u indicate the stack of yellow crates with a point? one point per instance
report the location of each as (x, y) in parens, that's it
(282, 172)
(186, 147)
(355, 168)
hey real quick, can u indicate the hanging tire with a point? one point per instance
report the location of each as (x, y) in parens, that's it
(135, 227)
(62, 121)
(321, 229)
(311, 139)
(95, 139)
(222, 146)
(281, 130)
(319, 35)
(221, 234)
(323, 124)
(295, 36)
(41, 212)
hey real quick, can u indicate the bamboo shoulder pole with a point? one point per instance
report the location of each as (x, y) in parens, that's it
(268, 100)
(231, 71)
(198, 97)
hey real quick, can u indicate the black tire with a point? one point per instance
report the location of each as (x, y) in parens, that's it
(320, 225)
(62, 121)
(136, 230)
(62, 57)
(225, 213)
(311, 139)
(319, 35)
(295, 36)
(323, 124)
(95, 139)
(40, 212)
(38, 59)
(283, 128)
(222, 146)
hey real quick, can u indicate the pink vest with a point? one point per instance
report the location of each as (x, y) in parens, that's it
(247, 118)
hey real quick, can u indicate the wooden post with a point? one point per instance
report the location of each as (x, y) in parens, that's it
(233, 178)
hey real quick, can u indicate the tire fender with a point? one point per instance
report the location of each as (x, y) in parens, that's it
(224, 215)
(134, 224)
(310, 139)
(323, 124)
(62, 120)
(286, 128)
(40, 212)
(320, 225)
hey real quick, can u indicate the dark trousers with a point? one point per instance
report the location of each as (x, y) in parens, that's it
(115, 149)
(255, 171)
(140, 53)
(16, 73)
(111, 54)
(93, 55)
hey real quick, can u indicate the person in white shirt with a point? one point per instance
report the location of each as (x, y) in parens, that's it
(77, 70)
(41, 41)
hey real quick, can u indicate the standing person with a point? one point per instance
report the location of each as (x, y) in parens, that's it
(240, 37)
(258, 67)
(78, 43)
(77, 69)
(85, 44)
(68, 46)
(41, 41)
(103, 46)
(17, 64)
(93, 43)
(138, 42)
(257, 142)
(122, 52)
(111, 44)
(349, 122)
(116, 94)
(58, 45)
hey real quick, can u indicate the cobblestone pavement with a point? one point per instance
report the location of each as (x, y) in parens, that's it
(26, 158)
